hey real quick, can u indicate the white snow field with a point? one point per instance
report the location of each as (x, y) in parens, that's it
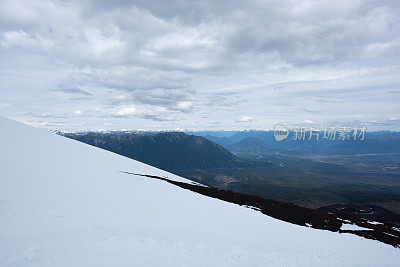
(65, 203)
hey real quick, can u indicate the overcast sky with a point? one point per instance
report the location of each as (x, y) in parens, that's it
(157, 64)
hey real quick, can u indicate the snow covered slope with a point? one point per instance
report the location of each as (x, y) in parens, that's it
(65, 203)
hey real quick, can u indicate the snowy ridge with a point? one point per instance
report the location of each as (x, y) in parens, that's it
(64, 203)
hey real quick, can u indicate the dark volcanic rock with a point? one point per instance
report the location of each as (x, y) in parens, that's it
(385, 232)
(371, 212)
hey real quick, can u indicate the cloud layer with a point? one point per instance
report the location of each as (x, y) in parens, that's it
(200, 64)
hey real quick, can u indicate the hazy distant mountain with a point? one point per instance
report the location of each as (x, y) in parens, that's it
(251, 146)
(168, 150)
(222, 141)
(375, 142)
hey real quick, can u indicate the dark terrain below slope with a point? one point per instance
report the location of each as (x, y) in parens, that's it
(371, 212)
(383, 232)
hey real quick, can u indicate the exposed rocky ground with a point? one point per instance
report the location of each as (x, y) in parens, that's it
(343, 223)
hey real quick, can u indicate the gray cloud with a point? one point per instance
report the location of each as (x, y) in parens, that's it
(200, 63)
(74, 91)
(244, 119)
(313, 111)
(45, 115)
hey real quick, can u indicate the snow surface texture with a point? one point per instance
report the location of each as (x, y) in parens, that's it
(65, 203)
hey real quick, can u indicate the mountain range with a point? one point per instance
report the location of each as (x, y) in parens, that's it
(167, 150)
(374, 142)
